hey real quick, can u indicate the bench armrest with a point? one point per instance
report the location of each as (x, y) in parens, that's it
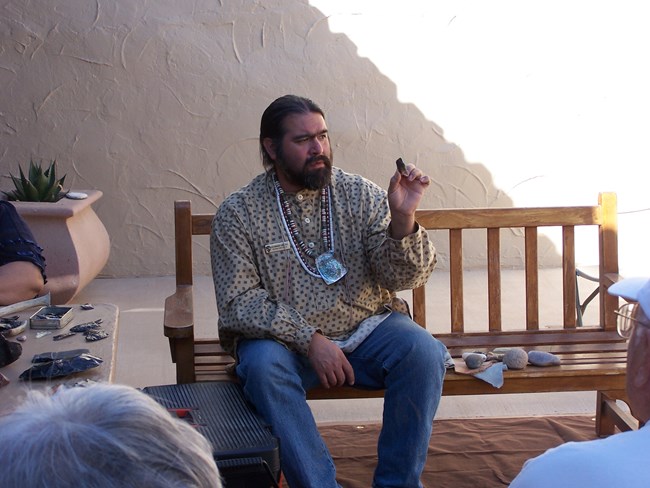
(179, 328)
(179, 313)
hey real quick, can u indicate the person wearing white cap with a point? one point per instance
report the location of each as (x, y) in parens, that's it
(620, 459)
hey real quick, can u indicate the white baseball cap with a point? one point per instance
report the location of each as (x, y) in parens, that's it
(633, 290)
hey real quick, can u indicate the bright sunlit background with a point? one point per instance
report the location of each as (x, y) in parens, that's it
(502, 102)
(553, 98)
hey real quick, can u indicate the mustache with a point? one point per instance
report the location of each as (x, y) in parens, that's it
(321, 158)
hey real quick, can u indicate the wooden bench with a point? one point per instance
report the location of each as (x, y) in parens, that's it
(593, 356)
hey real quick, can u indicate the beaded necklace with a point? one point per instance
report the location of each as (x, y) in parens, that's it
(297, 243)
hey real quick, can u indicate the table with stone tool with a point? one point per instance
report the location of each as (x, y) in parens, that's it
(40, 341)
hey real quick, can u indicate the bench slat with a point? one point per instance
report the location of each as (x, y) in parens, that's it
(484, 218)
(494, 278)
(456, 281)
(532, 278)
(569, 276)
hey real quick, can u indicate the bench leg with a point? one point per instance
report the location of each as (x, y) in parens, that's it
(610, 415)
(183, 355)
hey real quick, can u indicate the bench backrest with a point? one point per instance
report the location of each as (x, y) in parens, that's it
(493, 220)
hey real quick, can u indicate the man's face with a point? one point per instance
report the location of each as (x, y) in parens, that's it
(304, 157)
(638, 366)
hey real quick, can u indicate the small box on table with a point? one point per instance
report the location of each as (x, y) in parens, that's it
(51, 318)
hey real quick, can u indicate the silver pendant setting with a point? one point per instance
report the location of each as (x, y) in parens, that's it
(330, 269)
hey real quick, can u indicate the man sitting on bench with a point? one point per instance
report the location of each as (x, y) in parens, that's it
(303, 259)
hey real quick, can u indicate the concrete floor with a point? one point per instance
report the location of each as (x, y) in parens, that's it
(143, 357)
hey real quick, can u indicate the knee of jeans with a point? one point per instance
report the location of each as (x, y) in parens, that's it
(262, 360)
(429, 355)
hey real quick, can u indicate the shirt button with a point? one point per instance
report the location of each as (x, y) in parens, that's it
(300, 197)
(307, 220)
(311, 245)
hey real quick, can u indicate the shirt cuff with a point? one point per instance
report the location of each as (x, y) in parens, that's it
(409, 239)
(303, 340)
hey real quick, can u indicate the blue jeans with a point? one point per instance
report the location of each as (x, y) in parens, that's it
(399, 355)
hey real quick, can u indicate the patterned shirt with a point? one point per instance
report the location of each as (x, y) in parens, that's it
(262, 289)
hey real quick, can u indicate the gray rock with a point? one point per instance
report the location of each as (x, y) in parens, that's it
(501, 350)
(474, 360)
(515, 358)
(543, 358)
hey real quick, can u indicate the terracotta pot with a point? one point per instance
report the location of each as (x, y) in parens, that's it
(75, 243)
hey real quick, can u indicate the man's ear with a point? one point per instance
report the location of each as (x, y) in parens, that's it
(269, 145)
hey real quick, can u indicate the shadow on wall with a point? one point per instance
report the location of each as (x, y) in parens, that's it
(157, 102)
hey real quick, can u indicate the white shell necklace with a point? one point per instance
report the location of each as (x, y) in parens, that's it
(326, 266)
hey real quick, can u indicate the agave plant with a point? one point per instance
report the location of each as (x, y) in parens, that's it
(38, 186)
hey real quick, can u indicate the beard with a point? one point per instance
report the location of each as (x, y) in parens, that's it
(312, 179)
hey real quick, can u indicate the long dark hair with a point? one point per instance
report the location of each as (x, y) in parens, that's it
(272, 124)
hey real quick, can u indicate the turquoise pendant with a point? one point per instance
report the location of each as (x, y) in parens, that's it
(329, 268)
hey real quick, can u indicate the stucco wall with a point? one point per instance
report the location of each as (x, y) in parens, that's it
(501, 103)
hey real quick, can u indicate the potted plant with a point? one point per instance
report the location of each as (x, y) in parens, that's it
(40, 186)
(75, 243)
